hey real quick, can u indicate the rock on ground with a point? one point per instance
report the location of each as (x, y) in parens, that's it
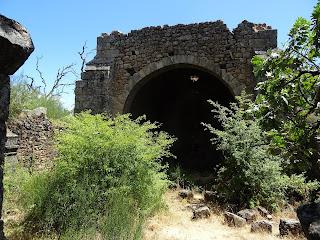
(264, 212)
(234, 220)
(290, 226)
(309, 216)
(201, 212)
(185, 193)
(249, 215)
(261, 226)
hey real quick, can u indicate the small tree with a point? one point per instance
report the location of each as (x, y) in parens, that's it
(250, 174)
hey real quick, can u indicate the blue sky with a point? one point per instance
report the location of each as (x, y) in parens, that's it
(60, 27)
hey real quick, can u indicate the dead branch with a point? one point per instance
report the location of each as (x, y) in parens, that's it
(41, 75)
(58, 85)
(83, 54)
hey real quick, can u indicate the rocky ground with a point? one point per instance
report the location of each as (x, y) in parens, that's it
(177, 223)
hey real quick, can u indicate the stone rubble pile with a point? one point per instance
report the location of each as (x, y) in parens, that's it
(259, 218)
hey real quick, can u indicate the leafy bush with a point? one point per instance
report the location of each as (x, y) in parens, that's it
(107, 177)
(250, 174)
(23, 97)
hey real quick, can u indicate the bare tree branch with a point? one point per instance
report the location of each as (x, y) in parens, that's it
(83, 56)
(41, 75)
(58, 85)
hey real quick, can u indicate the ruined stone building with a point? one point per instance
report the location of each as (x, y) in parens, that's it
(168, 73)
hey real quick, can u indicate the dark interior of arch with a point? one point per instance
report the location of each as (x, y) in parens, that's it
(171, 98)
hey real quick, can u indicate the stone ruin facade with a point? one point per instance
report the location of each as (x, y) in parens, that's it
(124, 62)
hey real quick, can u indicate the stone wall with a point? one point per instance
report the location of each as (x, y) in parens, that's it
(35, 138)
(122, 60)
(16, 46)
(4, 110)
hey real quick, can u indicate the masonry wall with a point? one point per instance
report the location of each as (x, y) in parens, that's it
(107, 81)
(35, 138)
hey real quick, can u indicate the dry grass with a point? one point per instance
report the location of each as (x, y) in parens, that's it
(176, 224)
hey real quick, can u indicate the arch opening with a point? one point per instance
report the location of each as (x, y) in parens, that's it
(177, 98)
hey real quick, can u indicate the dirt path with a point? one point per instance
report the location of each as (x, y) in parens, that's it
(176, 224)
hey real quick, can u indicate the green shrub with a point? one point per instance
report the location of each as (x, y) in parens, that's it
(250, 174)
(22, 98)
(108, 177)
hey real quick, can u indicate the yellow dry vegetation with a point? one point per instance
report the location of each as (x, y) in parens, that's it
(176, 224)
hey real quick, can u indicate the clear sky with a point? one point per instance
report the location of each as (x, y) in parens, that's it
(60, 27)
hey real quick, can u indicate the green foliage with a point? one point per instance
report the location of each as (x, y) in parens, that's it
(107, 177)
(289, 95)
(15, 176)
(250, 174)
(23, 97)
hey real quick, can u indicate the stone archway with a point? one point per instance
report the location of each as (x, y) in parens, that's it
(234, 86)
(165, 92)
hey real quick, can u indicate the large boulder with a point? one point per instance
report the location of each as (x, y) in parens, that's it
(15, 44)
(309, 216)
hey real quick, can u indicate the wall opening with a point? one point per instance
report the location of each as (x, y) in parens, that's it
(177, 98)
